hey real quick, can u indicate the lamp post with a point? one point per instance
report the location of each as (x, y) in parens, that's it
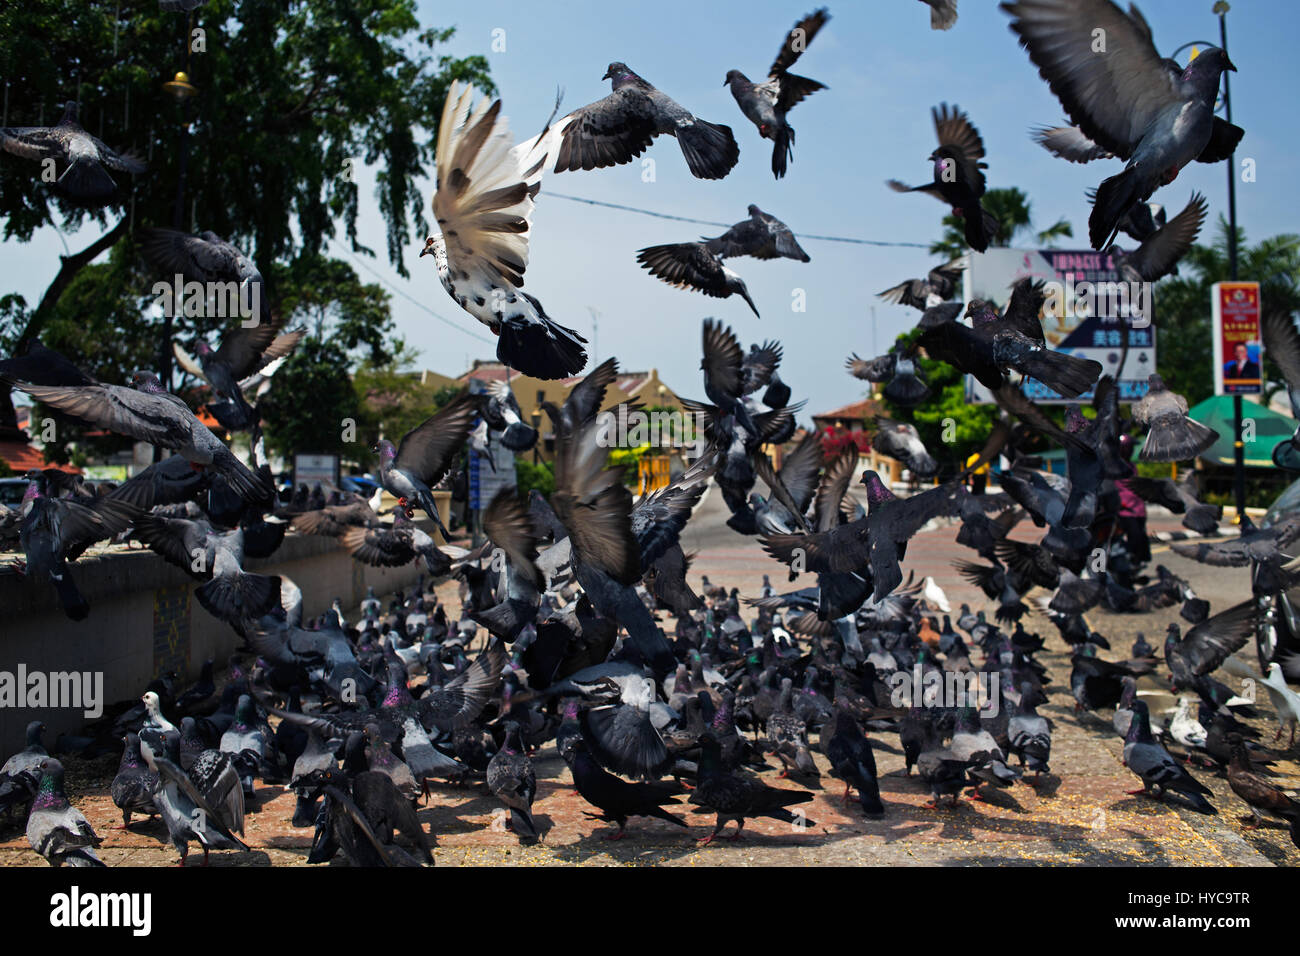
(1220, 9)
(182, 90)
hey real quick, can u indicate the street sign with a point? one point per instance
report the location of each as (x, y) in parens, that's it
(310, 469)
(1237, 343)
(1086, 304)
(484, 481)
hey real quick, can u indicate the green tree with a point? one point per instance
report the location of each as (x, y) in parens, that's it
(313, 401)
(1182, 304)
(293, 97)
(1011, 208)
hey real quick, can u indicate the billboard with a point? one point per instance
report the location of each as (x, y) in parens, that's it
(1087, 302)
(1237, 344)
(312, 469)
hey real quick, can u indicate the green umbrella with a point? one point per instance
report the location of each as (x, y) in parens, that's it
(1270, 428)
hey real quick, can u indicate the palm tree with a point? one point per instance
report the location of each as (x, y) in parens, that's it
(1011, 208)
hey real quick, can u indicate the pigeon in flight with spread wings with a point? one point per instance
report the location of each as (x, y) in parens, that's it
(81, 160)
(765, 104)
(617, 129)
(1126, 98)
(484, 206)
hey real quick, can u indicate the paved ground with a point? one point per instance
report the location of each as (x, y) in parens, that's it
(1079, 814)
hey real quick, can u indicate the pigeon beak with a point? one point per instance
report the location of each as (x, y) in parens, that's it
(1230, 66)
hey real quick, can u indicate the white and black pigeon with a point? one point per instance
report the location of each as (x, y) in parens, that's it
(617, 129)
(484, 206)
(419, 461)
(765, 104)
(502, 413)
(1172, 436)
(692, 265)
(80, 159)
(1126, 98)
(150, 413)
(939, 285)
(185, 811)
(55, 828)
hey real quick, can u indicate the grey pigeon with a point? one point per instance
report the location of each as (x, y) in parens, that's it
(939, 285)
(1282, 346)
(501, 412)
(618, 128)
(385, 546)
(766, 104)
(484, 206)
(898, 369)
(187, 814)
(510, 777)
(901, 440)
(1172, 435)
(21, 774)
(1125, 97)
(55, 828)
(81, 160)
(134, 784)
(409, 470)
(762, 236)
(1159, 252)
(149, 413)
(1069, 143)
(943, 13)
(1159, 771)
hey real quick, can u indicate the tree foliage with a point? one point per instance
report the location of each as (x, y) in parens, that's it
(1012, 209)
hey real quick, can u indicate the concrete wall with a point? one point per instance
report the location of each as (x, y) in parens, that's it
(144, 620)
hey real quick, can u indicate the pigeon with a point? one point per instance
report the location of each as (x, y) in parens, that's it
(55, 828)
(1069, 143)
(21, 774)
(622, 734)
(692, 265)
(1029, 735)
(766, 104)
(958, 174)
(1260, 795)
(1158, 254)
(898, 369)
(1158, 770)
(943, 13)
(1282, 346)
(244, 352)
(133, 787)
(734, 797)
(55, 531)
(853, 761)
(615, 799)
(787, 735)
(501, 411)
(1172, 436)
(185, 811)
(939, 285)
(409, 470)
(617, 129)
(80, 159)
(1012, 341)
(1126, 98)
(901, 440)
(762, 236)
(396, 545)
(359, 817)
(149, 413)
(1180, 498)
(510, 777)
(484, 205)
(1286, 702)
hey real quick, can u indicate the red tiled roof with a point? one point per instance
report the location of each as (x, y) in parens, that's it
(22, 457)
(858, 410)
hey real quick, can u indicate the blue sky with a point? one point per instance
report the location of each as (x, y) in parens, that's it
(884, 68)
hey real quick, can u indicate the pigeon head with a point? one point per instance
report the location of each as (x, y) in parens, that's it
(877, 493)
(980, 311)
(1074, 421)
(435, 246)
(143, 381)
(384, 449)
(32, 493)
(202, 347)
(1156, 382)
(1210, 62)
(734, 76)
(622, 76)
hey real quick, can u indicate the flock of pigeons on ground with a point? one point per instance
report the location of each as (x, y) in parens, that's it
(577, 623)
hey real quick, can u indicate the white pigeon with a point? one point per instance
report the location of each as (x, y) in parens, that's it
(1286, 702)
(1185, 728)
(933, 595)
(484, 207)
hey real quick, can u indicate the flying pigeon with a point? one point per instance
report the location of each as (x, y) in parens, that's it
(1069, 143)
(149, 413)
(1282, 346)
(692, 265)
(762, 236)
(79, 158)
(1172, 436)
(618, 128)
(943, 13)
(765, 104)
(1159, 252)
(958, 174)
(501, 411)
(900, 440)
(484, 206)
(419, 461)
(939, 285)
(1126, 98)
(904, 383)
